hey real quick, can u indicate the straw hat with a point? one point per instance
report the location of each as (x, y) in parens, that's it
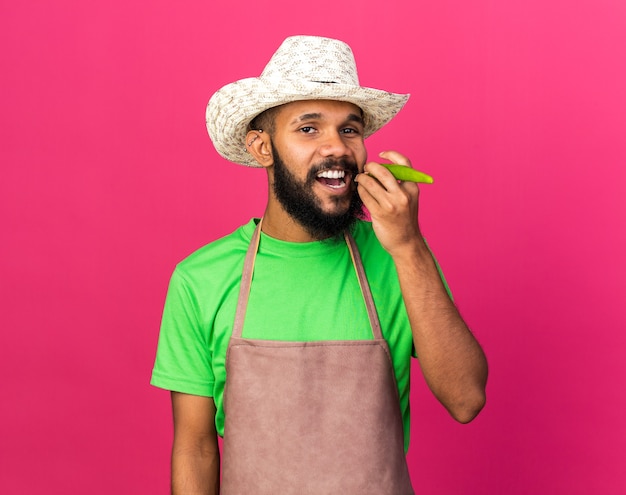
(303, 68)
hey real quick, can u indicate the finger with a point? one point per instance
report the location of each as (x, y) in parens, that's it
(395, 157)
(370, 189)
(368, 200)
(376, 205)
(382, 175)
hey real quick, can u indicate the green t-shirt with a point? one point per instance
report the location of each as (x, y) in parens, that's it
(300, 292)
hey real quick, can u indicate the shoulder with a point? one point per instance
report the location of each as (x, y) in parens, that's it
(363, 231)
(216, 258)
(367, 242)
(377, 261)
(378, 264)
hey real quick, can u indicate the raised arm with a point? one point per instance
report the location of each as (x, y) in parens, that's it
(451, 359)
(195, 452)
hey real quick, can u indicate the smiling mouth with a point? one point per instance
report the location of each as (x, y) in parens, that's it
(335, 179)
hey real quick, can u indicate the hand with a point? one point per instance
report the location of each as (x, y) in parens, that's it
(393, 205)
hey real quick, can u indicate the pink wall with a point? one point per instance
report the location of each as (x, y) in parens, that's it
(108, 179)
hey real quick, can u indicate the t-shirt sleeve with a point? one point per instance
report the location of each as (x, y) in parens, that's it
(183, 361)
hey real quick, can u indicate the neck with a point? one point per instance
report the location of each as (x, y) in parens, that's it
(277, 223)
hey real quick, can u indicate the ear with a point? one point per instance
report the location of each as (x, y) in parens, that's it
(258, 144)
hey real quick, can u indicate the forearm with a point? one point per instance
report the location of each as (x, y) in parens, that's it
(451, 359)
(195, 472)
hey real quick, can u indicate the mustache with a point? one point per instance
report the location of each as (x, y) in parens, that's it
(330, 163)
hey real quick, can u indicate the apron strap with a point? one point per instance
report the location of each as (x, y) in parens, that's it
(365, 286)
(246, 281)
(248, 270)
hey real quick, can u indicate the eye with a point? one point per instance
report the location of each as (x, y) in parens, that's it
(307, 129)
(350, 130)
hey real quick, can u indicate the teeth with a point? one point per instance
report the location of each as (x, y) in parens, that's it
(332, 174)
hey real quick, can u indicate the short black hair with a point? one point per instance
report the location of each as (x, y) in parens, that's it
(264, 121)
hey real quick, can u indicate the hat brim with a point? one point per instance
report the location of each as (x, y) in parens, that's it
(231, 108)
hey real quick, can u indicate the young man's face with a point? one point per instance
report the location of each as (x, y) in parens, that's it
(318, 148)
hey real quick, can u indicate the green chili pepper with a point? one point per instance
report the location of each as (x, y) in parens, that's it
(407, 174)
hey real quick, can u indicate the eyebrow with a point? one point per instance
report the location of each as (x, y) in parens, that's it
(352, 117)
(355, 118)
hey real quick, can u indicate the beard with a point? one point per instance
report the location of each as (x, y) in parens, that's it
(300, 202)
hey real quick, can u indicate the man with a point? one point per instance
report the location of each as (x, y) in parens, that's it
(292, 337)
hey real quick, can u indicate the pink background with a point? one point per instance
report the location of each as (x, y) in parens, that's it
(108, 179)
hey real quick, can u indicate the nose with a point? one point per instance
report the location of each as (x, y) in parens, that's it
(334, 145)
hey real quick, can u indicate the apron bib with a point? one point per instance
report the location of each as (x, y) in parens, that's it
(315, 418)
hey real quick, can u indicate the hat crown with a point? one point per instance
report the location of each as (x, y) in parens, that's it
(313, 59)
